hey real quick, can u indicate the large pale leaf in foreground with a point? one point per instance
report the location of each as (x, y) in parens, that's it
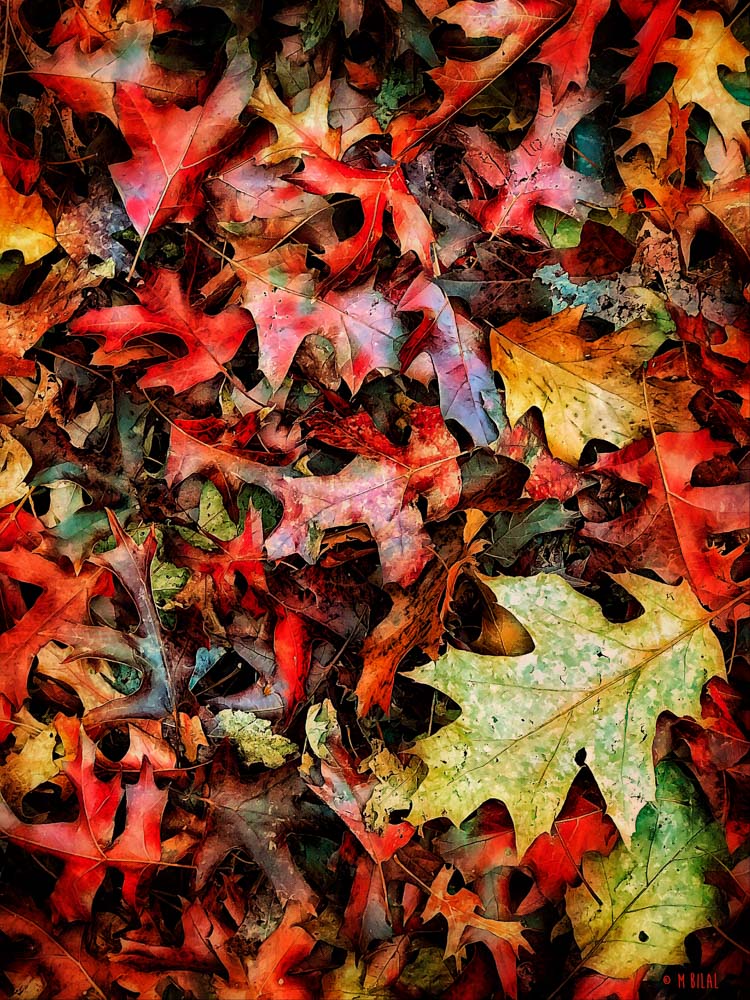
(588, 685)
(585, 389)
(653, 895)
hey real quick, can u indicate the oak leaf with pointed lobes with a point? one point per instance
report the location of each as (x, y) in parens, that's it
(25, 224)
(678, 207)
(377, 190)
(519, 25)
(654, 893)
(525, 718)
(302, 134)
(257, 816)
(568, 49)
(697, 60)
(359, 322)
(535, 173)
(459, 356)
(459, 910)
(62, 604)
(173, 149)
(308, 135)
(211, 341)
(87, 81)
(379, 487)
(86, 843)
(671, 531)
(584, 389)
(413, 621)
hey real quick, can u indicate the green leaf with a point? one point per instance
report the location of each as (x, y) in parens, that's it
(589, 685)
(212, 514)
(654, 894)
(318, 25)
(510, 532)
(254, 738)
(398, 86)
(561, 230)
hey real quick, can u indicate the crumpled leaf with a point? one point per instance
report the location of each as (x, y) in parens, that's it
(254, 739)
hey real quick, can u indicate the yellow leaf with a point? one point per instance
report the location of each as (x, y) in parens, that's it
(15, 465)
(697, 60)
(25, 224)
(29, 767)
(585, 389)
(305, 132)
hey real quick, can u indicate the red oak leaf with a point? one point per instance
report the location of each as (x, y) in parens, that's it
(211, 341)
(377, 190)
(308, 135)
(86, 844)
(670, 532)
(533, 174)
(459, 910)
(63, 602)
(359, 323)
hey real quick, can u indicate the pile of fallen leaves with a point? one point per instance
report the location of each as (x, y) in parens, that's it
(374, 499)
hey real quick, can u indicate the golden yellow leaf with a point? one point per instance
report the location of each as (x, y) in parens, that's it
(585, 389)
(15, 465)
(296, 134)
(697, 60)
(25, 224)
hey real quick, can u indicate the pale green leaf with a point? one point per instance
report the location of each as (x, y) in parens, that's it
(588, 685)
(254, 738)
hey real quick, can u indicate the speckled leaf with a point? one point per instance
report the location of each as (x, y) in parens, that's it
(588, 685)
(653, 895)
(585, 390)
